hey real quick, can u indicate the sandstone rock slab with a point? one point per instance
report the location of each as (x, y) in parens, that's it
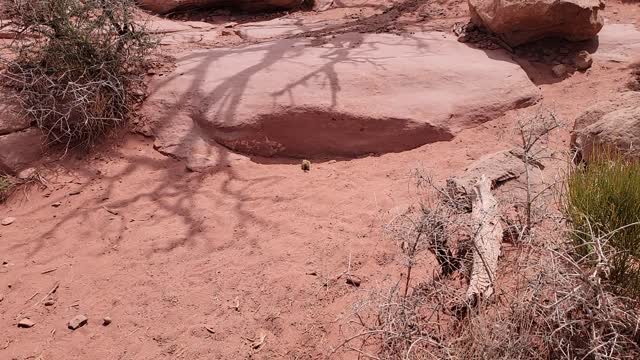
(280, 27)
(618, 43)
(11, 120)
(20, 149)
(346, 96)
(521, 21)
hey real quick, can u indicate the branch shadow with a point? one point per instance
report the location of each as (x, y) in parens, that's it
(175, 194)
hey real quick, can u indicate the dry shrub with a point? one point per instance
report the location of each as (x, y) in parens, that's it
(557, 308)
(74, 64)
(549, 304)
(7, 185)
(634, 82)
(10, 185)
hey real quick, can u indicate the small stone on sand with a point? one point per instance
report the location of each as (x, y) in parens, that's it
(77, 322)
(25, 323)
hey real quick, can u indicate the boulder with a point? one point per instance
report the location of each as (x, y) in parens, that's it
(521, 21)
(346, 96)
(20, 149)
(583, 60)
(167, 6)
(612, 123)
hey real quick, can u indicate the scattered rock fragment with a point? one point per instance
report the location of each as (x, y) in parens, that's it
(106, 321)
(1, 297)
(110, 211)
(76, 322)
(583, 60)
(56, 204)
(26, 323)
(26, 173)
(353, 281)
(257, 343)
(560, 71)
(49, 302)
(7, 221)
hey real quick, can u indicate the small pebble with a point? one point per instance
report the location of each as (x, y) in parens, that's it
(76, 322)
(26, 173)
(583, 60)
(106, 321)
(353, 281)
(7, 221)
(559, 70)
(25, 323)
(306, 165)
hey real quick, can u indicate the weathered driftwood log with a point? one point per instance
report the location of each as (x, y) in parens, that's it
(487, 236)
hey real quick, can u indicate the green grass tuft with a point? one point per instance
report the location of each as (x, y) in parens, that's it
(6, 186)
(603, 201)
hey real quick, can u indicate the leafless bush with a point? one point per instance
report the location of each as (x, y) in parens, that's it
(74, 64)
(432, 227)
(548, 304)
(534, 132)
(555, 309)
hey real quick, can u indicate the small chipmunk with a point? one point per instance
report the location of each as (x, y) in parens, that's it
(306, 165)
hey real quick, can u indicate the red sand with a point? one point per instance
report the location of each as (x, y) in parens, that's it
(198, 266)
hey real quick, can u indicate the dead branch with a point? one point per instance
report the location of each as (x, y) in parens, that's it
(486, 241)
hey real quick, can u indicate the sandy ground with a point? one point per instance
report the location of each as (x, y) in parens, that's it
(201, 266)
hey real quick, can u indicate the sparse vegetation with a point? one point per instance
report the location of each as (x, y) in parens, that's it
(75, 64)
(549, 303)
(6, 187)
(603, 202)
(634, 83)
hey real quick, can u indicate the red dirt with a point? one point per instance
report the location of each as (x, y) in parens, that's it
(196, 266)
